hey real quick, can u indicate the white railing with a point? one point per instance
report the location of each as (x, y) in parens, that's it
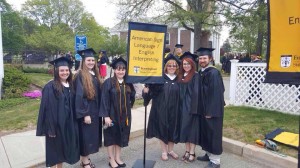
(247, 88)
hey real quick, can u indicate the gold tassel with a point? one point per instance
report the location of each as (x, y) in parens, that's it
(126, 121)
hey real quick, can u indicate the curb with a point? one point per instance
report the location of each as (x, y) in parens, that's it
(260, 155)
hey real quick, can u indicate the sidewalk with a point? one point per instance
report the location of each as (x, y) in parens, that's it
(26, 150)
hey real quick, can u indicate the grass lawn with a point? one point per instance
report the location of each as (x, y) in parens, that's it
(39, 79)
(247, 124)
(20, 116)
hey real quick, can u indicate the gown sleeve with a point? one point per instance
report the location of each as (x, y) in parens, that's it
(81, 102)
(195, 92)
(46, 122)
(132, 94)
(105, 99)
(215, 98)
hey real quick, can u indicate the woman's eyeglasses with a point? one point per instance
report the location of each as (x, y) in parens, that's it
(186, 64)
(172, 66)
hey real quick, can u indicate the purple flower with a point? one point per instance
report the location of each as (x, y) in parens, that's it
(33, 94)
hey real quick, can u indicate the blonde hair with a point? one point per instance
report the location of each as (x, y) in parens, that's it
(171, 62)
(87, 80)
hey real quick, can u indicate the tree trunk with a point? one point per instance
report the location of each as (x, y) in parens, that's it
(259, 41)
(197, 35)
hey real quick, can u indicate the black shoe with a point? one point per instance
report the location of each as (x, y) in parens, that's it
(111, 166)
(121, 165)
(212, 165)
(203, 158)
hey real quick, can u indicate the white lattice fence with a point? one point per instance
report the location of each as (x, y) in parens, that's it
(247, 88)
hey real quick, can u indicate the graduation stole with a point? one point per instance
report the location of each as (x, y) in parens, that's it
(120, 99)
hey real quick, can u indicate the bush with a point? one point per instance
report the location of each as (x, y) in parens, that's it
(6, 103)
(15, 82)
(35, 70)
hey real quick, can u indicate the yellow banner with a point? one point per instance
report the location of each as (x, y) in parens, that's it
(146, 50)
(284, 36)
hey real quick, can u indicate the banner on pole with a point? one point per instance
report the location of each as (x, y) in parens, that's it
(145, 52)
(283, 55)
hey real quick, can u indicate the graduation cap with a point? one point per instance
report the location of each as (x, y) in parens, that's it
(178, 46)
(205, 51)
(171, 57)
(189, 55)
(117, 62)
(89, 52)
(102, 51)
(62, 61)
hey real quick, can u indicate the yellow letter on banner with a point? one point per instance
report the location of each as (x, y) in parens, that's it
(284, 36)
(146, 50)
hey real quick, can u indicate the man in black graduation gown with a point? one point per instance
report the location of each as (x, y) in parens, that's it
(211, 106)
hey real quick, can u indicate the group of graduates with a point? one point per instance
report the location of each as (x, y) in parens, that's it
(73, 112)
(187, 108)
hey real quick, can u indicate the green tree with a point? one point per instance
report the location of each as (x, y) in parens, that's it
(96, 34)
(248, 27)
(53, 12)
(194, 16)
(59, 38)
(12, 30)
(115, 46)
(226, 46)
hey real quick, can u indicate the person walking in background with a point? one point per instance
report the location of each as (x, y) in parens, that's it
(117, 100)
(102, 64)
(188, 121)
(87, 105)
(178, 50)
(211, 107)
(165, 108)
(56, 120)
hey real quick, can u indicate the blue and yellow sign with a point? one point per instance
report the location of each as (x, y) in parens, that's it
(145, 52)
(284, 42)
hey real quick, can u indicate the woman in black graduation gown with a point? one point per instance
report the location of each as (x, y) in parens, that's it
(117, 99)
(56, 120)
(165, 108)
(188, 123)
(87, 105)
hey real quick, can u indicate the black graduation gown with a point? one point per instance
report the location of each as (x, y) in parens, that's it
(90, 134)
(57, 117)
(110, 106)
(164, 110)
(188, 124)
(211, 103)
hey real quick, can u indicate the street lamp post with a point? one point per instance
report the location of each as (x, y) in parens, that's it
(1, 57)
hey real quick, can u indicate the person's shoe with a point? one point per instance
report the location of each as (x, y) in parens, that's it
(111, 165)
(203, 158)
(121, 165)
(212, 165)
(185, 156)
(164, 156)
(173, 155)
(191, 158)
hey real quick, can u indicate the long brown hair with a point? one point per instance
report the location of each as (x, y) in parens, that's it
(58, 87)
(87, 80)
(190, 75)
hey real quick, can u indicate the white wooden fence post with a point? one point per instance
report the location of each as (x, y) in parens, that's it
(233, 78)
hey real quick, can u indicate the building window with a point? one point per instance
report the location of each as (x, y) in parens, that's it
(167, 38)
(210, 44)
